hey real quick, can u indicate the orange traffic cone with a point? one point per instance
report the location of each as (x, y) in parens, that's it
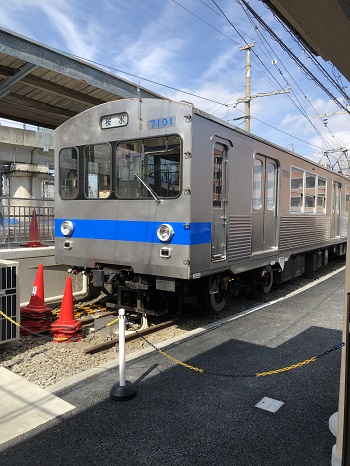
(36, 316)
(66, 327)
(34, 237)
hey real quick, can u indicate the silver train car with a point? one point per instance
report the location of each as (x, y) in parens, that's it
(164, 205)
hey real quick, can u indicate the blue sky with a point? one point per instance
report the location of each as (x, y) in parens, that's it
(187, 45)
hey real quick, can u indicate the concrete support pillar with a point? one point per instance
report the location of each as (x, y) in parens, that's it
(25, 181)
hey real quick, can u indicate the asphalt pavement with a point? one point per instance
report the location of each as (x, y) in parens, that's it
(182, 416)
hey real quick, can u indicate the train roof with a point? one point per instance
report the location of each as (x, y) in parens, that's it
(219, 121)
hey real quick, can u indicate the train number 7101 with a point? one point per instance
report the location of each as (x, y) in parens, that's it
(164, 122)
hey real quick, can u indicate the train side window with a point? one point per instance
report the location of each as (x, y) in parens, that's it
(321, 195)
(97, 168)
(347, 198)
(257, 185)
(271, 186)
(296, 190)
(217, 178)
(310, 193)
(68, 174)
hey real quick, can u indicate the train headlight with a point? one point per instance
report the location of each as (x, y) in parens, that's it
(165, 232)
(67, 228)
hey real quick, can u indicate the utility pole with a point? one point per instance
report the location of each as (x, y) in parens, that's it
(247, 86)
(247, 99)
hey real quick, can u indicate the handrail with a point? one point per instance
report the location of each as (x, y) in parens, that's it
(22, 218)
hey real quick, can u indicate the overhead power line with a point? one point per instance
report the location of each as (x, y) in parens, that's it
(203, 21)
(237, 31)
(315, 61)
(299, 104)
(260, 65)
(291, 54)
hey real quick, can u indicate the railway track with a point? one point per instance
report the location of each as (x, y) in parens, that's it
(191, 321)
(44, 363)
(135, 335)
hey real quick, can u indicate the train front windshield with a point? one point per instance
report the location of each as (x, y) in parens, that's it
(145, 168)
(148, 163)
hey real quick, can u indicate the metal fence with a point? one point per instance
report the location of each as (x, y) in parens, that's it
(23, 220)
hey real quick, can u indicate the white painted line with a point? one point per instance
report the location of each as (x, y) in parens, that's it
(269, 404)
(270, 303)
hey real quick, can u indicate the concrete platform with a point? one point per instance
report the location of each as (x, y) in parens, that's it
(185, 417)
(25, 406)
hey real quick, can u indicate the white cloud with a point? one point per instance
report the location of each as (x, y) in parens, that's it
(61, 15)
(76, 41)
(145, 58)
(153, 49)
(297, 120)
(216, 94)
(328, 125)
(220, 65)
(80, 39)
(335, 139)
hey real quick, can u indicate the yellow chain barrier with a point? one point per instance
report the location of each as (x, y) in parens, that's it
(285, 369)
(8, 318)
(198, 369)
(163, 353)
(110, 323)
(258, 374)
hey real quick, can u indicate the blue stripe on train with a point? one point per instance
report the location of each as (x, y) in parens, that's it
(137, 231)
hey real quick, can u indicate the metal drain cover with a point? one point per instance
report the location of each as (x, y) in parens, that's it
(269, 404)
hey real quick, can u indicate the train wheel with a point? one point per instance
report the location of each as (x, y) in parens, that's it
(267, 279)
(216, 294)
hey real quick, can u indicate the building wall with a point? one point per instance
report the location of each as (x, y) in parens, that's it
(19, 145)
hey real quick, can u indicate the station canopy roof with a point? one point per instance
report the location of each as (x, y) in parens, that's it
(323, 26)
(44, 87)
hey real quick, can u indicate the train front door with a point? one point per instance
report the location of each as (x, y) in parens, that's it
(264, 204)
(336, 196)
(218, 233)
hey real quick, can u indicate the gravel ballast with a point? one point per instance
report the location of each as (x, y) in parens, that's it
(43, 362)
